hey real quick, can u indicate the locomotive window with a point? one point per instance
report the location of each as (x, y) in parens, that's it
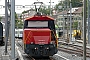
(37, 23)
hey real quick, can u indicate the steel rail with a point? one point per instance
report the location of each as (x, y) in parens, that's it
(73, 49)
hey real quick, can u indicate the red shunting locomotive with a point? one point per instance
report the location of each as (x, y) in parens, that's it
(39, 36)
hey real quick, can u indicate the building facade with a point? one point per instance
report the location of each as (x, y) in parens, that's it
(63, 18)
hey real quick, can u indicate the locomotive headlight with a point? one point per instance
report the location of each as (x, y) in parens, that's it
(35, 48)
(47, 48)
(31, 42)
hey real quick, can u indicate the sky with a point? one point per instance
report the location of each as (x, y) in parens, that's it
(23, 3)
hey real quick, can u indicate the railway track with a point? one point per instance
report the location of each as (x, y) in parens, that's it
(73, 49)
(47, 58)
(27, 57)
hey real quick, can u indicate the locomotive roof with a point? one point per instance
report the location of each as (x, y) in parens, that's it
(40, 17)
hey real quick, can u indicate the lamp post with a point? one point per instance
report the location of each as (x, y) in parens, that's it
(63, 22)
(50, 7)
(12, 29)
(84, 29)
(88, 22)
(6, 25)
(67, 20)
(70, 22)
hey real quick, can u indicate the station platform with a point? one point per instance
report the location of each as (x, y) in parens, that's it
(8, 55)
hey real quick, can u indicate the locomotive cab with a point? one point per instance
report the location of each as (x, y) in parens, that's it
(39, 36)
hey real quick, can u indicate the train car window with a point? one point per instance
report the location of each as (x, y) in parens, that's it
(21, 32)
(16, 32)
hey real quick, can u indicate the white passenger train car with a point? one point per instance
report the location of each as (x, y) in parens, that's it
(19, 33)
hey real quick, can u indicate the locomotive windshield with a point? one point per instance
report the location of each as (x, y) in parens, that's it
(40, 24)
(37, 24)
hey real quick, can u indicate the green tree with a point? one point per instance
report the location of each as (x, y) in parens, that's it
(45, 10)
(0, 18)
(65, 4)
(18, 23)
(75, 24)
(76, 3)
(59, 5)
(24, 12)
